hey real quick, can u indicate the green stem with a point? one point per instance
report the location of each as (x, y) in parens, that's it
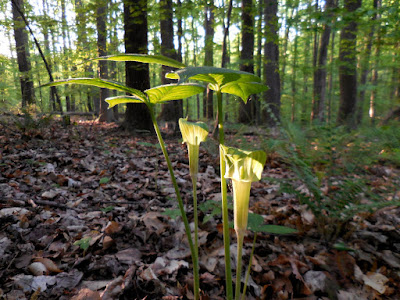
(196, 240)
(180, 202)
(224, 195)
(240, 238)
(246, 280)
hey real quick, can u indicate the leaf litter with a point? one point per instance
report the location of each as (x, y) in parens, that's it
(85, 213)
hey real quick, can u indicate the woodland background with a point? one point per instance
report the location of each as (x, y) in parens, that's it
(325, 61)
(92, 205)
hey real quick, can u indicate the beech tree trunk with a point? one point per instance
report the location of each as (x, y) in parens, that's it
(137, 116)
(272, 97)
(247, 111)
(23, 57)
(348, 66)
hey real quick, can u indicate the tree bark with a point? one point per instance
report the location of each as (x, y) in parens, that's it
(348, 65)
(101, 15)
(374, 81)
(272, 97)
(319, 92)
(23, 57)
(365, 65)
(208, 110)
(171, 111)
(137, 116)
(225, 58)
(247, 111)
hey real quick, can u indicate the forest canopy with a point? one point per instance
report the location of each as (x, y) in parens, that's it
(326, 61)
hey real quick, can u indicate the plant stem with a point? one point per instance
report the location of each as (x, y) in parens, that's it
(224, 192)
(240, 238)
(180, 203)
(196, 238)
(246, 280)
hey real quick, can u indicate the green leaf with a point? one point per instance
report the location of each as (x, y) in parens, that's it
(172, 213)
(112, 101)
(104, 180)
(107, 209)
(342, 247)
(145, 58)
(275, 229)
(243, 89)
(83, 243)
(101, 83)
(169, 92)
(255, 223)
(213, 75)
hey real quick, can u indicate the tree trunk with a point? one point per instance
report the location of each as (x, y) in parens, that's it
(83, 47)
(374, 81)
(330, 87)
(247, 111)
(171, 111)
(319, 93)
(137, 116)
(23, 57)
(365, 66)
(225, 58)
(294, 73)
(272, 97)
(259, 58)
(285, 45)
(53, 91)
(348, 66)
(208, 110)
(101, 16)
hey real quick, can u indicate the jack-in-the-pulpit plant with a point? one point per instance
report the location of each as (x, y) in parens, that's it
(193, 134)
(243, 168)
(248, 164)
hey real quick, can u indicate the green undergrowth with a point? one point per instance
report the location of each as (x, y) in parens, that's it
(337, 173)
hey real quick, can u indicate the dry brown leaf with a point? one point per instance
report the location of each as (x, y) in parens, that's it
(49, 264)
(112, 227)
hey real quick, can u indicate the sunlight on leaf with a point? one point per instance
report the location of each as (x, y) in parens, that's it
(101, 83)
(213, 75)
(169, 92)
(145, 58)
(112, 101)
(243, 89)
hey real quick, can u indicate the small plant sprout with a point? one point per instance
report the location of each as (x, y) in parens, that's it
(193, 134)
(243, 168)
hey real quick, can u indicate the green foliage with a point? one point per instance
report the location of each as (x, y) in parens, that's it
(104, 180)
(212, 209)
(107, 209)
(83, 243)
(28, 121)
(256, 224)
(325, 161)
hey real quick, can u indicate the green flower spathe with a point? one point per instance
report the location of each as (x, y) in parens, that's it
(193, 134)
(243, 168)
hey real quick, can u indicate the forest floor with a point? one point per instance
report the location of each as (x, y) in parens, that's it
(87, 212)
